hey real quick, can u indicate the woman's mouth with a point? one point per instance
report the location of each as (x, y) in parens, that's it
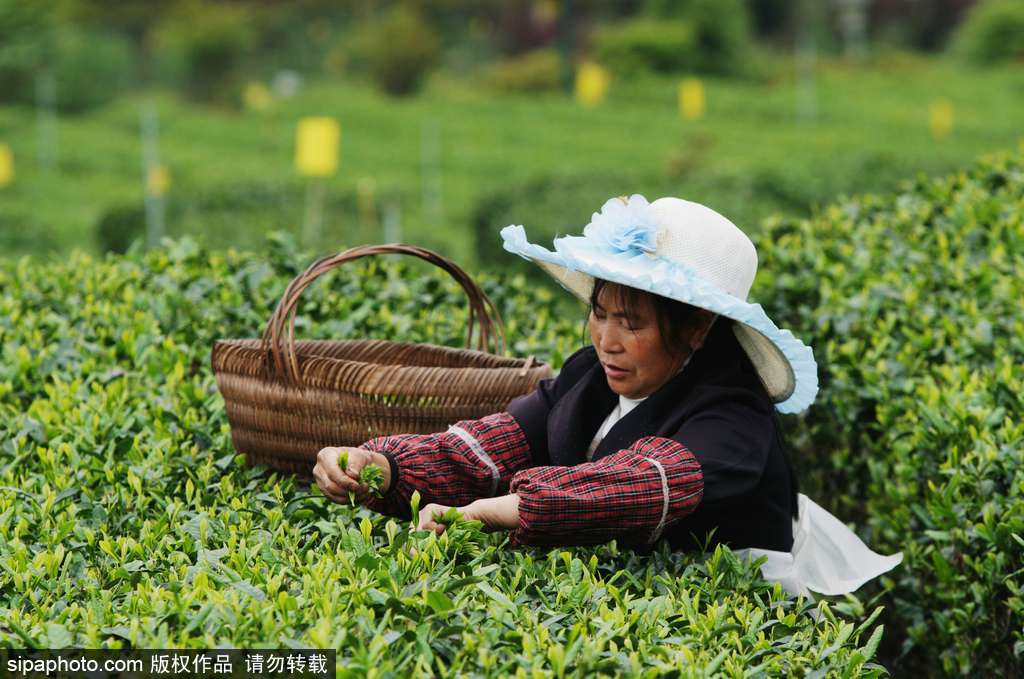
(614, 372)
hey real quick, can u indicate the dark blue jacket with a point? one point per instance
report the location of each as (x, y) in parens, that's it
(717, 407)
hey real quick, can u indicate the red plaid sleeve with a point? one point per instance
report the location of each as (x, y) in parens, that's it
(631, 494)
(473, 459)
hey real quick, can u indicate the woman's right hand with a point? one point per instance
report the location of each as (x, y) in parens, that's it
(336, 483)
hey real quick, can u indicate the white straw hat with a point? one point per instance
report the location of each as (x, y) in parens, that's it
(685, 251)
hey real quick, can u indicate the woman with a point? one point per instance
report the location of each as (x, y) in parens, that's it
(664, 427)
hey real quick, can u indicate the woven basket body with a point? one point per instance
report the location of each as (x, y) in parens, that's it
(287, 399)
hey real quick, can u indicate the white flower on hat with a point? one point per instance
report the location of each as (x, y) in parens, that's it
(624, 225)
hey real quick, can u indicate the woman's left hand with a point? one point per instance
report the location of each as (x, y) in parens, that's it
(494, 512)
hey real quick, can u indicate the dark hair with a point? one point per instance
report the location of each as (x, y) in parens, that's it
(672, 318)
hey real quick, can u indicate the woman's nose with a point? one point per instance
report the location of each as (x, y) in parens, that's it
(609, 340)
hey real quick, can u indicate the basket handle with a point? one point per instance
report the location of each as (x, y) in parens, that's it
(481, 308)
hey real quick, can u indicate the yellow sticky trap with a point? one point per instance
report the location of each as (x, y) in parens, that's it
(158, 180)
(257, 96)
(316, 146)
(692, 100)
(6, 165)
(591, 84)
(940, 118)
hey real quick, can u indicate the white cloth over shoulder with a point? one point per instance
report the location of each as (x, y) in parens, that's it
(827, 557)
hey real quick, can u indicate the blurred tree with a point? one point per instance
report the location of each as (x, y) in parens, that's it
(451, 17)
(470, 30)
(921, 24)
(772, 18)
(41, 51)
(722, 30)
(299, 36)
(398, 48)
(28, 42)
(132, 18)
(992, 33)
(704, 36)
(521, 27)
(91, 67)
(203, 47)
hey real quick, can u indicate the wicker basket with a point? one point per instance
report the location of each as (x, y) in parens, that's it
(287, 399)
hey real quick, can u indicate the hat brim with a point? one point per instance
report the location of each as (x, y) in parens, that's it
(785, 364)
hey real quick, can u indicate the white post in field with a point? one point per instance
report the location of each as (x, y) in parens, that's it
(151, 169)
(806, 61)
(392, 219)
(430, 174)
(853, 23)
(46, 120)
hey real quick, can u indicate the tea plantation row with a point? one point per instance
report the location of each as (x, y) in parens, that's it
(127, 519)
(913, 305)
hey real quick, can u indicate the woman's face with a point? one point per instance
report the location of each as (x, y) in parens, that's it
(630, 349)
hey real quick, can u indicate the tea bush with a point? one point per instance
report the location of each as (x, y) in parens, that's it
(912, 303)
(538, 70)
(558, 205)
(645, 44)
(238, 214)
(702, 36)
(551, 205)
(993, 32)
(126, 517)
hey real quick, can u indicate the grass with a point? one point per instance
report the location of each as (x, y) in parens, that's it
(871, 127)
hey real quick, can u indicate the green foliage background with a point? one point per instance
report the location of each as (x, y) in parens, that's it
(538, 160)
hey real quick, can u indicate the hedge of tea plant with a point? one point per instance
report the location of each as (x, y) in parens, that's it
(913, 304)
(127, 518)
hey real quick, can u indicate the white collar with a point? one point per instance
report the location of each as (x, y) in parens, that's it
(625, 400)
